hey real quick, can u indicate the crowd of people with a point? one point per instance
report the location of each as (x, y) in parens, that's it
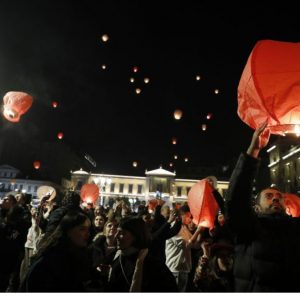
(71, 247)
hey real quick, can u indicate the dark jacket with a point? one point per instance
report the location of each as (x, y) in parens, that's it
(156, 275)
(267, 247)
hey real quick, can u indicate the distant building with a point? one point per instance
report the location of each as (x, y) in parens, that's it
(284, 165)
(157, 183)
(9, 183)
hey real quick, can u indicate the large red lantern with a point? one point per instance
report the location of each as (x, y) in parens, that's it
(202, 203)
(60, 135)
(16, 104)
(292, 204)
(154, 202)
(89, 193)
(269, 87)
(36, 164)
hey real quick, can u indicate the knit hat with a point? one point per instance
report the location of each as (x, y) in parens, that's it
(137, 227)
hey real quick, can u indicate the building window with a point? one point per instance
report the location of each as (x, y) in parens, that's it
(140, 187)
(4, 174)
(21, 187)
(112, 188)
(130, 187)
(179, 189)
(121, 188)
(35, 188)
(29, 188)
(103, 188)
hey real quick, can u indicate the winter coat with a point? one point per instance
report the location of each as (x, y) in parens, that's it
(267, 247)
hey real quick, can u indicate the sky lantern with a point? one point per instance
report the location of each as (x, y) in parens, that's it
(60, 135)
(177, 114)
(105, 38)
(202, 204)
(292, 204)
(132, 80)
(154, 202)
(89, 193)
(269, 88)
(175, 156)
(103, 67)
(36, 164)
(198, 77)
(171, 164)
(174, 141)
(54, 104)
(204, 127)
(209, 116)
(135, 164)
(135, 69)
(216, 91)
(146, 80)
(16, 104)
(186, 159)
(138, 91)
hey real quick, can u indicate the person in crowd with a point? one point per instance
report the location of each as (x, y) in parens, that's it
(61, 264)
(133, 269)
(99, 223)
(178, 250)
(99, 210)
(214, 270)
(267, 241)
(7, 203)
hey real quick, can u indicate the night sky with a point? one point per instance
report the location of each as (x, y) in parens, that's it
(53, 50)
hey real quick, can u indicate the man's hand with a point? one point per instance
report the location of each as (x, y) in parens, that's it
(260, 139)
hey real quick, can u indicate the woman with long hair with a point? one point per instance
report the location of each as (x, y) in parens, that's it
(61, 263)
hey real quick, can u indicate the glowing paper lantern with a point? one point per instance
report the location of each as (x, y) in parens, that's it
(269, 87)
(146, 80)
(103, 67)
(198, 77)
(105, 37)
(204, 127)
(89, 193)
(292, 204)
(154, 202)
(171, 164)
(135, 69)
(135, 164)
(217, 91)
(36, 164)
(174, 141)
(16, 104)
(175, 156)
(186, 159)
(132, 80)
(138, 91)
(177, 114)
(202, 204)
(60, 135)
(54, 104)
(209, 116)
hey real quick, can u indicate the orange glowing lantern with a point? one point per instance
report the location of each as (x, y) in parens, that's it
(204, 127)
(292, 204)
(54, 104)
(198, 77)
(132, 80)
(60, 135)
(135, 69)
(135, 164)
(202, 204)
(209, 116)
(89, 193)
(174, 141)
(146, 80)
(16, 104)
(269, 87)
(186, 159)
(175, 156)
(171, 164)
(105, 38)
(217, 91)
(103, 67)
(138, 91)
(36, 164)
(177, 114)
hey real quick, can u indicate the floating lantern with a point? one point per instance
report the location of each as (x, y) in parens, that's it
(60, 135)
(177, 114)
(171, 164)
(105, 38)
(135, 69)
(89, 193)
(36, 164)
(269, 88)
(54, 104)
(135, 164)
(204, 127)
(174, 141)
(175, 156)
(186, 159)
(132, 80)
(209, 116)
(217, 91)
(198, 77)
(138, 91)
(16, 104)
(146, 80)
(103, 67)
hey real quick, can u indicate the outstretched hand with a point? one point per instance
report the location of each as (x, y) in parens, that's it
(260, 139)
